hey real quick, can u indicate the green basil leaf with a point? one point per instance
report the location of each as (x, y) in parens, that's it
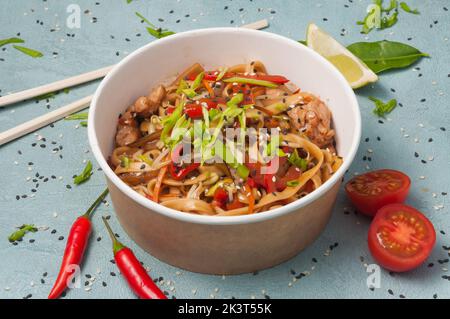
(10, 40)
(385, 55)
(406, 8)
(27, 51)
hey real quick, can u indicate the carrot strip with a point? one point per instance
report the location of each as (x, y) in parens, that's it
(208, 87)
(251, 199)
(159, 180)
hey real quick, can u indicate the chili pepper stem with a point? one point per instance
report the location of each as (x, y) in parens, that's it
(91, 209)
(117, 245)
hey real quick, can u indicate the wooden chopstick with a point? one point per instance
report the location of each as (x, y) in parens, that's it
(85, 77)
(44, 120)
(55, 86)
(76, 106)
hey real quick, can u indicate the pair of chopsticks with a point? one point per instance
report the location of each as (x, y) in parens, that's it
(46, 119)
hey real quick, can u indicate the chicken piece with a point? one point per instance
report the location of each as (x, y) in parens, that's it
(128, 129)
(313, 120)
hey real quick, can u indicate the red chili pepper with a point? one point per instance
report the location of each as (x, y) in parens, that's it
(130, 267)
(75, 247)
(177, 172)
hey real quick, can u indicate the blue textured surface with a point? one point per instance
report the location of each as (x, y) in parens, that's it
(28, 269)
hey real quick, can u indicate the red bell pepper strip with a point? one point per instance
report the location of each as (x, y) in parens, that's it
(194, 110)
(178, 173)
(75, 247)
(220, 198)
(130, 267)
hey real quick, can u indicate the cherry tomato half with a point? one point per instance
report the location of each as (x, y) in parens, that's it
(400, 237)
(371, 191)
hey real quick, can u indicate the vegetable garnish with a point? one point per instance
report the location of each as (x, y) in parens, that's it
(85, 175)
(296, 160)
(154, 31)
(381, 18)
(78, 116)
(28, 51)
(245, 80)
(20, 233)
(385, 55)
(130, 267)
(75, 247)
(406, 8)
(10, 41)
(373, 190)
(381, 108)
(400, 237)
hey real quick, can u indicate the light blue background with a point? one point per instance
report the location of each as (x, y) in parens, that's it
(342, 274)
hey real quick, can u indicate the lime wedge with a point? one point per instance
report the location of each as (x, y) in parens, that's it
(354, 70)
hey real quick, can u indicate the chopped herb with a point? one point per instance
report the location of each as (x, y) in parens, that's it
(190, 93)
(20, 233)
(182, 86)
(85, 175)
(381, 108)
(10, 40)
(125, 162)
(292, 183)
(242, 171)
(221, 74)
(198, 81)
(145, 159)
(406, 8)
(153, 30)
(84, 123)
(46, 96)
(27, 51)
(381, 18)
(78, 116)
(296, 160)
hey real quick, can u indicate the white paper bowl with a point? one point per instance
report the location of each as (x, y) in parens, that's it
(222, 245)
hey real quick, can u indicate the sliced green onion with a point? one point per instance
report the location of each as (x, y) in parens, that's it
(145, 159)
(198, 81)
(221, 74)
(182, 86)
(238, 79)
(190, 93)
(296, 160)
(292, 183)
(242, 171)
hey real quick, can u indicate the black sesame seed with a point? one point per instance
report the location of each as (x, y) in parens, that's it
(112, 273)
(104, 284)
(390, 292)
(61, 238)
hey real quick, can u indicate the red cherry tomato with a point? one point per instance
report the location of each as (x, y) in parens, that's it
(400, 237)
(371, 191)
